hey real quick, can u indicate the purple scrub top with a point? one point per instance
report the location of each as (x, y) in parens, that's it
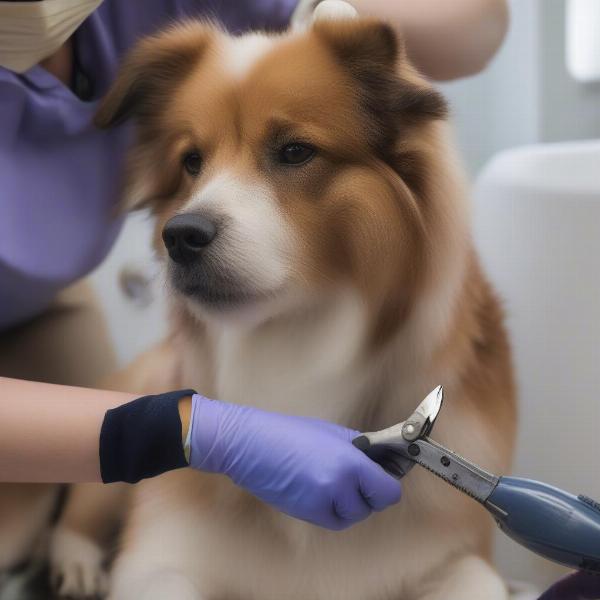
(59, 176)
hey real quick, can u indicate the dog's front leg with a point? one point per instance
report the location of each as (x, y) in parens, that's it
(159, 583)
(82, 536)
(468, 578)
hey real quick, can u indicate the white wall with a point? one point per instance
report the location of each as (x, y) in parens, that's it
(134, 326)
(526, 94)
(569, 110)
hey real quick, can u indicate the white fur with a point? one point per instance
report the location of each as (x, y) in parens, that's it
(256, 241)
(470, 574)
(157, 584)
(308, 365)
(242, 53)
(276, 557)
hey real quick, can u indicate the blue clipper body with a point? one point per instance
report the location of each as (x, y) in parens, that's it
(549, 521)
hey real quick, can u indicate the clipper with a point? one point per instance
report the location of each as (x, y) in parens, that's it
(548, 521)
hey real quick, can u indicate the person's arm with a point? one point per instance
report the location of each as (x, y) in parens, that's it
(445, 39)
(307, 468)
(50, 433)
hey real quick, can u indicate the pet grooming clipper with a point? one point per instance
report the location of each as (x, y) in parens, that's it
(546, 520)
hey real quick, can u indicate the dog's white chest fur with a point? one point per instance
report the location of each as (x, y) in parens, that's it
(308, 367)
(316, 365)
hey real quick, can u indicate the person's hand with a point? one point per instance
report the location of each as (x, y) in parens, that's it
(306, 468)
(579, 586)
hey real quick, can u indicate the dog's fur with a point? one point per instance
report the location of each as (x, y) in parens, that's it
(344, 288)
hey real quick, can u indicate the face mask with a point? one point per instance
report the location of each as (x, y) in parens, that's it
(32, 31)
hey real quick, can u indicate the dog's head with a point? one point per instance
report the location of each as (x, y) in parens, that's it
(282, 168)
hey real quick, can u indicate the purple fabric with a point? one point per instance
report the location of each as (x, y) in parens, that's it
(306, 468)
(580, 586)
(59, 176)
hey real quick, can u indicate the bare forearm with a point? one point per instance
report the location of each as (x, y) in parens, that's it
(50, 433)
(446, 39)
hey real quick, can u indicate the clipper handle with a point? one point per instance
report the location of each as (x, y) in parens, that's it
(549, 521)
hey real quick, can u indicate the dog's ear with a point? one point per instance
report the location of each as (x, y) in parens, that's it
(359, 43)
(150, 71)
(390, 87)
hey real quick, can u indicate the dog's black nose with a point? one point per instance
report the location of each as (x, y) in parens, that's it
(185, 236)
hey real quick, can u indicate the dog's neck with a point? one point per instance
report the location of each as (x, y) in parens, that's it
(314, 363)
(307, 363)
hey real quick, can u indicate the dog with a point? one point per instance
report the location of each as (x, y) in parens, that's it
(326, 269)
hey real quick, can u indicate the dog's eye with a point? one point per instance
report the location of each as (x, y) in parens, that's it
(192, 162)
(296, 153)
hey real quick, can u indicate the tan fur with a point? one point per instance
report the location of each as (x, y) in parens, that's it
(372, 295)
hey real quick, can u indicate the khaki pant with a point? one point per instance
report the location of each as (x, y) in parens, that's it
(68, 344)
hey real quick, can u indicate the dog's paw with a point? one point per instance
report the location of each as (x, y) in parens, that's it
(76, 566)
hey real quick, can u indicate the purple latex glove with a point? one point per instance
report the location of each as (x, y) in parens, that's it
(306, 468)
(580, 586)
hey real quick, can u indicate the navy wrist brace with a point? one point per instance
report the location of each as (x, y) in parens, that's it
(142, 438)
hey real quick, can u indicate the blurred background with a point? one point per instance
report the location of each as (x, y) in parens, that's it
(526, 127)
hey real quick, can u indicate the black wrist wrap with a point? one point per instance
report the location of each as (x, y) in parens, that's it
(142, 438)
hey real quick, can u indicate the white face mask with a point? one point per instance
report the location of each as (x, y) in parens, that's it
(32, 31)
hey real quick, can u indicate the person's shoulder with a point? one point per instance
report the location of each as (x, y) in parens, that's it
(129, 21)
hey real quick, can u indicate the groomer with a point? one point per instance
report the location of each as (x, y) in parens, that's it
(58, 185)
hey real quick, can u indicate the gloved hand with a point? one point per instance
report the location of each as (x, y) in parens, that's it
(580, 586)
(306, 468)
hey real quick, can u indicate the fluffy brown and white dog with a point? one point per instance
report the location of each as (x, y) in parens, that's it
(329, 272)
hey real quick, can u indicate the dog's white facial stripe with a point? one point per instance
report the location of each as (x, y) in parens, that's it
(258, 243)
(242, 53)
